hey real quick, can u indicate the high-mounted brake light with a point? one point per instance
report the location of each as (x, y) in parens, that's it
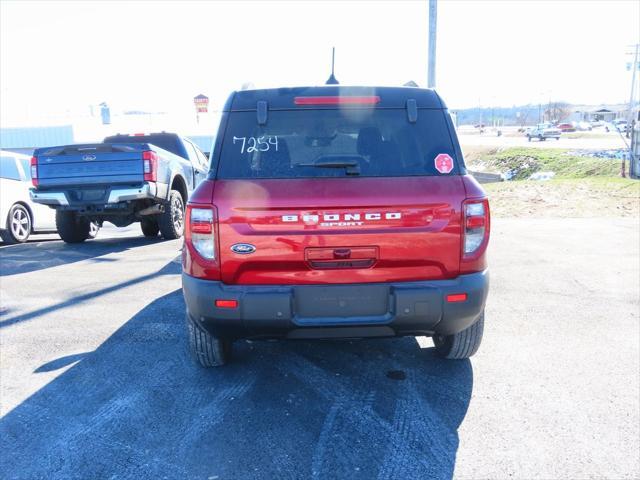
(200, 232)
(150, 165)
(337, 100)
(476, 225)
(34, 171)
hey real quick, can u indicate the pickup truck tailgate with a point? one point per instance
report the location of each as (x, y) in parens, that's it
(89, 166)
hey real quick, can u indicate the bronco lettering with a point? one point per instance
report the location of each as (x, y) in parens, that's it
(341, 217)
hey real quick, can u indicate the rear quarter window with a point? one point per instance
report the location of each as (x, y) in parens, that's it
(293, 142)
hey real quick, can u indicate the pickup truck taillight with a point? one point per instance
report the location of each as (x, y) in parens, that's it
(34, 171)
(200, 232)
(476, 227)
(150, 165)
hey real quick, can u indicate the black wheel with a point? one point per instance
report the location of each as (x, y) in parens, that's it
(149, 227)
(209, 351)
(528, 138)
(171, 221)
(460, 345)
(71, 227)
(541, 138)
(18, 225)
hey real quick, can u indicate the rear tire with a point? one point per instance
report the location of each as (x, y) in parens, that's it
(71, 228)
(149, 227)
(171, 221)
(19, 225)
(462, 344)
(208, 351)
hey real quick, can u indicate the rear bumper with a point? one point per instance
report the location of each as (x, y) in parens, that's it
(336, 311)
(71, 197)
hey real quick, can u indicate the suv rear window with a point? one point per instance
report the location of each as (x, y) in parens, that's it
(314, 143)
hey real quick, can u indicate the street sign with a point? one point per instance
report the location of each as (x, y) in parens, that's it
(202, 103)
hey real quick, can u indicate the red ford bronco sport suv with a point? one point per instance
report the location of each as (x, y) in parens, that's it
(335, 212)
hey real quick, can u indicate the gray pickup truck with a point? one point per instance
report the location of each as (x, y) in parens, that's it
(125, 179)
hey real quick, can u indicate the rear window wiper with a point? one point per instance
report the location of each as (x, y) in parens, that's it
(351, 163)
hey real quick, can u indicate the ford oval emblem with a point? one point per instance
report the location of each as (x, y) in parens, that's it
(243, 248)
(89, 157)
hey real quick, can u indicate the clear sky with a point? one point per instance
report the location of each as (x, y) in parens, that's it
(63, 56)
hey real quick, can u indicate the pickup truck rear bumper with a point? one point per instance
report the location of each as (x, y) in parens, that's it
(336, 311)
(111, 195)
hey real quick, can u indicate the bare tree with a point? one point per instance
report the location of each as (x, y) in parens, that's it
(557, 111)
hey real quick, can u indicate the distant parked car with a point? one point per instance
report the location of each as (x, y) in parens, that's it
(566, 127)
(621, 125)
(584, 126)
(542, 131)
(19, 216)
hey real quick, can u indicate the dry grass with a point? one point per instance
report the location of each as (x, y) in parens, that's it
(585, 197)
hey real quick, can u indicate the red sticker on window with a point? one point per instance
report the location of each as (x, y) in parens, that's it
(444, 163)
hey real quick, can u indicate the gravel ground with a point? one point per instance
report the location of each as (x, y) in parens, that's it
(96, 381)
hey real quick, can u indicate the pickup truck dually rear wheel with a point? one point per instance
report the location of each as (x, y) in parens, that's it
(71, 227)
(460, 345)
(149, 227)
(208, 350)
(171, 221)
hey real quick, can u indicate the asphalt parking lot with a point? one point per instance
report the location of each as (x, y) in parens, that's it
(96, 381)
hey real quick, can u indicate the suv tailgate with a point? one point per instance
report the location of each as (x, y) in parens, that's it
(343, 230)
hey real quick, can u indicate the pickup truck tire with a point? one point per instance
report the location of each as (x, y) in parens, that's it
(171, 221)
(71, 228)
(149, 227)
(18, 225)
(208, 350)
(460, 345)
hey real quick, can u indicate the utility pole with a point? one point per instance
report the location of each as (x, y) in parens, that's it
(634, 69)
(433, 21)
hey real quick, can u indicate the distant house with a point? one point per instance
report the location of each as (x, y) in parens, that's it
(603, 113)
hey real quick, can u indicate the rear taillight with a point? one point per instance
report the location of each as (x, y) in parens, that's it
(150, 165)
(476, 227)
(200, 231)
(34, 171)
